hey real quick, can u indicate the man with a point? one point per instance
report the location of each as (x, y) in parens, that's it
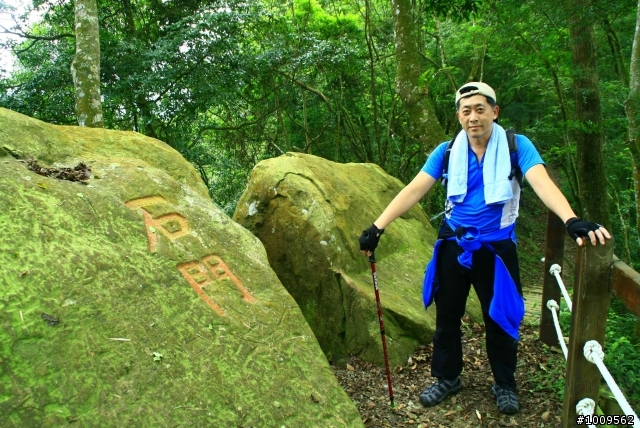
(476, 244)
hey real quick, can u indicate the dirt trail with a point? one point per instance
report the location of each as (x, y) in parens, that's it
(474, 405)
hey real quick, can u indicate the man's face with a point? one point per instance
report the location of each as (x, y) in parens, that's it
(476, 117)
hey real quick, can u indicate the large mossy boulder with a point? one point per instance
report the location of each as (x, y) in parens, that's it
(131, 300)
(309, 212)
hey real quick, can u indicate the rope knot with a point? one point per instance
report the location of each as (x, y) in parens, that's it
(552, 304)
(555, 269)
(586, 407)
(593, 350)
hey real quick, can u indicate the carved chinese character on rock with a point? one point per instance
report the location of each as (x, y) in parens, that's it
(172, 225)
(203, 275)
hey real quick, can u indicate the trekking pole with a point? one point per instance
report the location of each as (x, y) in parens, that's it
(372, 259)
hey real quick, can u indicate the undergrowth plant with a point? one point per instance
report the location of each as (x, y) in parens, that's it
(622, 352)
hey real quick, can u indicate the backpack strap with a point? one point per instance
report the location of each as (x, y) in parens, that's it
(445, 164)
(513, 154)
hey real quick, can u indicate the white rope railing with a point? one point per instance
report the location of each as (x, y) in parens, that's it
(555, 271)
(553, 306)
(594, 354)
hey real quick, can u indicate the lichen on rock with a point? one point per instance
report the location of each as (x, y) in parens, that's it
(160, 310)
(309, 212)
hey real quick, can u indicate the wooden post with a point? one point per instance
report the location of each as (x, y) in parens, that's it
(591, 300)
(554, 254)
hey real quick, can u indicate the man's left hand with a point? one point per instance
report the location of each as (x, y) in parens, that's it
(580, 229)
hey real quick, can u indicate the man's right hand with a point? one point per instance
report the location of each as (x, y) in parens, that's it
(369, 240)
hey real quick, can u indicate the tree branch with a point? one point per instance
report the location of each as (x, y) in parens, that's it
(20, 51)
(307, 87)
(312, 90)
(237, 127)
(32, 37)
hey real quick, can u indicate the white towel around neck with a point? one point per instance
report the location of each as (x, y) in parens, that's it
(495, 171)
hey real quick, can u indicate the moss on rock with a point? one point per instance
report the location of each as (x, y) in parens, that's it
(309, 213)
(167, 311)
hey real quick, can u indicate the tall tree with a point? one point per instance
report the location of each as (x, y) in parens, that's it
(85, 67)
(589, 132)
(633, 113)
(423, 124)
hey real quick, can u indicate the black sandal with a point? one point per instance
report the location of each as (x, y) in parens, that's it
(506, 400)
(438, 391)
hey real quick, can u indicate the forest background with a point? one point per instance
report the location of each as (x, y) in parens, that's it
(230, 83)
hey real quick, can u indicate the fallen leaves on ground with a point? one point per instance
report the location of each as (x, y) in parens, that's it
(473, 406)
(80, 173)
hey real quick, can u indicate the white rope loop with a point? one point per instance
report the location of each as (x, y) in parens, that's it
(554, 308)
(594, 354)
(586, 407)
(553, 305)
(592, 351)
(555, 271)
(555, 268)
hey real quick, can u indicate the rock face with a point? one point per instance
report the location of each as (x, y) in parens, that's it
(309, 212)
(132, 300)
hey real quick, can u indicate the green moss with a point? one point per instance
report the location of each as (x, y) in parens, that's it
(309, 213)
(86, 262)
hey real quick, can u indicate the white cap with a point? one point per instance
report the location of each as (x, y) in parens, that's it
(475, 88)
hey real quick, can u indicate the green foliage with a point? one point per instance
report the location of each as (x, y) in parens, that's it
(310, 14)
(530, 232)
(550, 377)
(622, 352)
(224, 176)
(457, 10)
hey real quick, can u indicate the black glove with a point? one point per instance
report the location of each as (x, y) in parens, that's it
(578, 228)
(370, 237)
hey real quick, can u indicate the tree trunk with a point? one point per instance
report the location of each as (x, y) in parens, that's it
(616, 51)
(632, 107)
(423, 126)
(589, 135)
(372, 75)
(85, 67)
(127, 8)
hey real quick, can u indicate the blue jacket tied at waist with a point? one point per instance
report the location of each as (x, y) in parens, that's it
(507, 305)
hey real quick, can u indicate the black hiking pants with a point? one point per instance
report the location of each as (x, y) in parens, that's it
(454, 285)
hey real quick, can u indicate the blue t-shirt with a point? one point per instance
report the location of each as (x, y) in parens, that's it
(473, 211)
